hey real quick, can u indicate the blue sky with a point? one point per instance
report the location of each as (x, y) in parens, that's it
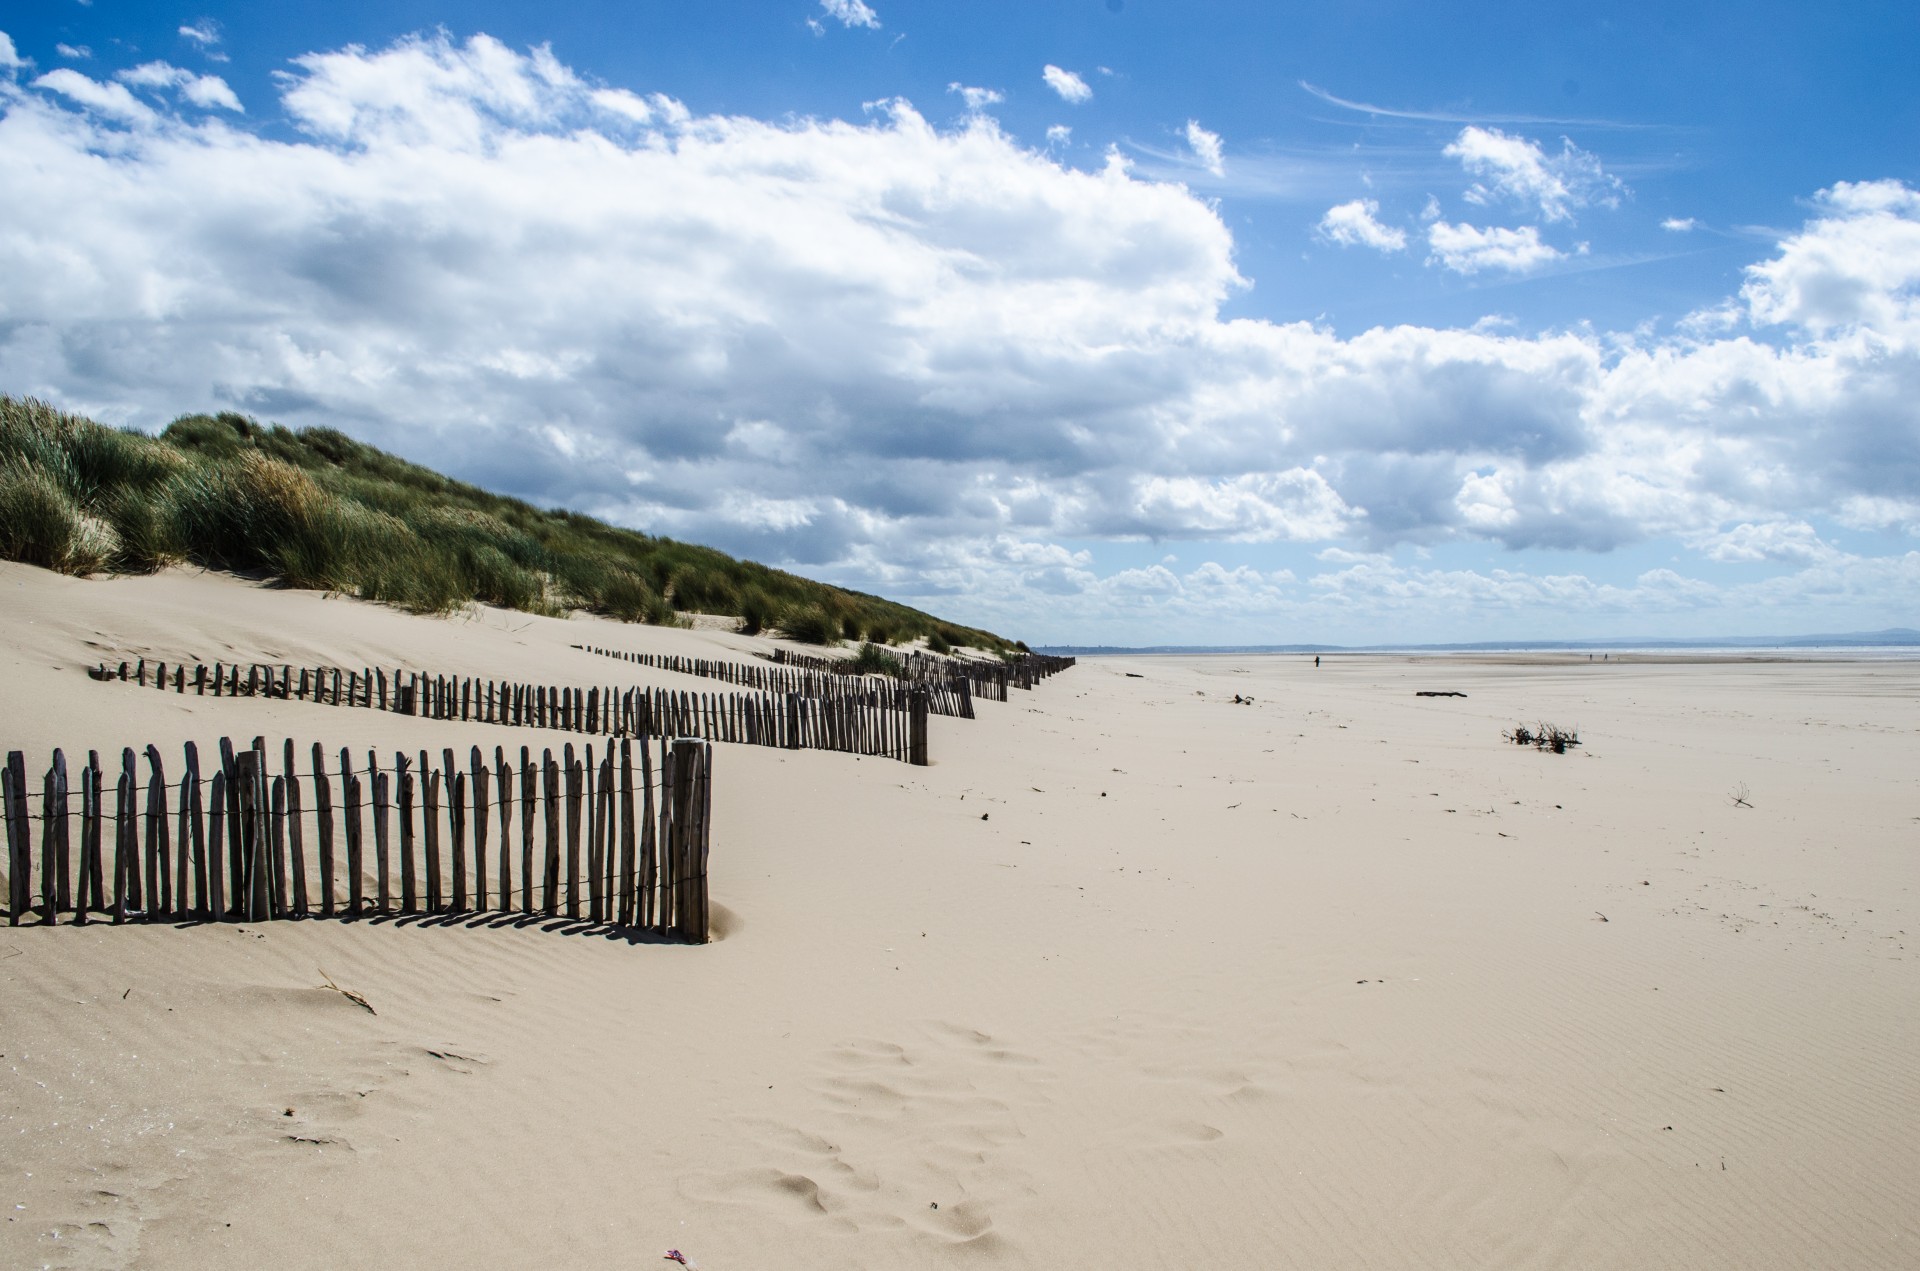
(1090, 322)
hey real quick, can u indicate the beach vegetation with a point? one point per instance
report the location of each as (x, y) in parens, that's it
(873, 659)
(315, 508)
(809, 624)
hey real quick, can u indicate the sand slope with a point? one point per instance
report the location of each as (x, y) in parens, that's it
(1319, 981)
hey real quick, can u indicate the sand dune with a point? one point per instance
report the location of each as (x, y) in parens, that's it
(1132, 976)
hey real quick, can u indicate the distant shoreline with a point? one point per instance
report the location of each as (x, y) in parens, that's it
(1902, 643)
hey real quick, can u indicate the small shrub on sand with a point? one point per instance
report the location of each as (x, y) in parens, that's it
(1544, 737)
(809, 624)
(755, 614)
(874, 660)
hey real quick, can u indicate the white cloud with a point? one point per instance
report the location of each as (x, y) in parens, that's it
(209, 92)
(1856, 267)
(205, 33)
(1747, 542)
(77, 52)
(1070, 86)
(1678, 224)
(9, 56)
(977, 99)
(1467, 249)
(110, 100)
(1875, 512)
(875, 350)
(1059, 135)
(851, 13)
(1517, 170)
(1206, 148)
(1357, 224)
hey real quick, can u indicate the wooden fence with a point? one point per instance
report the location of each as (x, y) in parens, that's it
(866, 717)
(952, 696)
(633, 853)
(989, 680)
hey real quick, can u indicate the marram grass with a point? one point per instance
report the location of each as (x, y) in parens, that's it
(314, 508)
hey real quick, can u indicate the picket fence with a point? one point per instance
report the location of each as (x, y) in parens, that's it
(952, 697)
(866, 718)
(633, 852)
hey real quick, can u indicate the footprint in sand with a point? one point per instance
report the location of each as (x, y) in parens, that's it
(906, 1137)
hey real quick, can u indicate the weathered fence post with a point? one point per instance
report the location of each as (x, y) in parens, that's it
(627, 842)
(649, 853)
(250, 896)
(382, 842)
(550, 788)
(19, 853)
(457, 827)
(350, 790)
(574, 791)
(53, 840)
(323, 826)
(409, 879)
(125, 847)
(430, 824)
(205, 908)
(296, 834)
(159, 862)
(529, 799)
(281, 907)
(917, 728)
(478, 786)
(692, 765)
(216, 836)
(504, 775)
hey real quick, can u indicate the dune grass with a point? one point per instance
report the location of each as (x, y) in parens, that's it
(315, 508)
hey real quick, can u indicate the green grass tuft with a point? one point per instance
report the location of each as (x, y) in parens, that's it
(809, 624)
(874, 660)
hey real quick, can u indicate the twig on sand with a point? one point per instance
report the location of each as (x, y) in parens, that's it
(1739, 795)
(349, 994)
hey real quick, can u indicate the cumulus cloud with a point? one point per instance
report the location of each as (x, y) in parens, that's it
(1070, 86)
(851, 13)
(1206, 148)
(209, 92)
(1678, 224)
(1516, 170)
(76, 52)
(1059, 135)
(1357, 224)
(112, 101)
(1468, 249)
(910, 358)
(1857, 266)
(977, 98)
(9, 56)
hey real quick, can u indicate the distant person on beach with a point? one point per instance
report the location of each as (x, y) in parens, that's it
(1316, 661)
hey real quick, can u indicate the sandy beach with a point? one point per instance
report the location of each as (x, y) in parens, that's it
(1131, 976)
